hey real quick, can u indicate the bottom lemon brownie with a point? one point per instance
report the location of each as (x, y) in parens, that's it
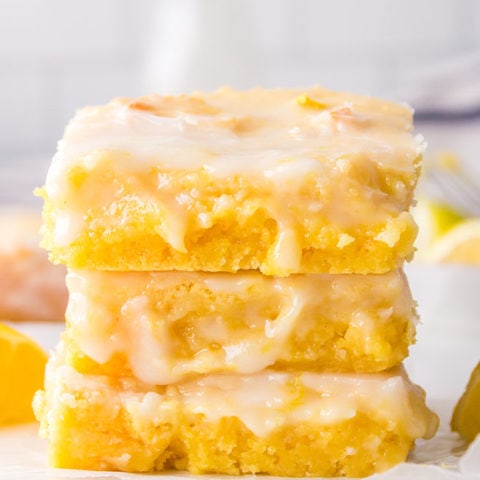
(279, 423)
(165, 326)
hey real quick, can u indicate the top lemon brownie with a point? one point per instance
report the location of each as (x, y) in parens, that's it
(284, 181)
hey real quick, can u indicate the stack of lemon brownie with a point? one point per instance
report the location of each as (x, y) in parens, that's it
(237, 303)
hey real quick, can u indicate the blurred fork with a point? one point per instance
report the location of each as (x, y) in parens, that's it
(460, 191)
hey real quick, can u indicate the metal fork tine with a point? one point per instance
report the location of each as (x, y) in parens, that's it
(457, 190)
(470, 190)
(465, 191)
(462, 190)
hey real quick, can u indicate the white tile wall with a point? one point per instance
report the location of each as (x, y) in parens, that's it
(21, 117)
(58, 55)
(474, 21)
(56, 27)
(381, 24)
(367, 44)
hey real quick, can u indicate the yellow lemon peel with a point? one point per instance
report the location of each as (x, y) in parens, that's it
(309, 102)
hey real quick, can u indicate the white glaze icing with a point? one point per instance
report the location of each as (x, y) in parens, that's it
(262, 401)
(110, 312)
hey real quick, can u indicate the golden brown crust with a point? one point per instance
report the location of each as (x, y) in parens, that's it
(171, 106)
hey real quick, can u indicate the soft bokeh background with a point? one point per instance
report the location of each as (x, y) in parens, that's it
(57, 55)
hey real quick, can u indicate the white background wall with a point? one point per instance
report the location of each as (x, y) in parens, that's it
(58, 55)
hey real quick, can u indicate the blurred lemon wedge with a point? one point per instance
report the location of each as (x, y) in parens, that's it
(22, 363)
(461, 244)
(445, 235)
(466, 416)
(434, 219)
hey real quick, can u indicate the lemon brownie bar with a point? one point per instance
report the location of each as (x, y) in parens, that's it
(284, 181)
(279, 423)
(165, 326)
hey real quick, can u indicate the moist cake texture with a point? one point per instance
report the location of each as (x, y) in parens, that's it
(284, 181)
(237, 303)
(163, 327)
(279, 423)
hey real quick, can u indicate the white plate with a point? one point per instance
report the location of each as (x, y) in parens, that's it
(447, 349)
